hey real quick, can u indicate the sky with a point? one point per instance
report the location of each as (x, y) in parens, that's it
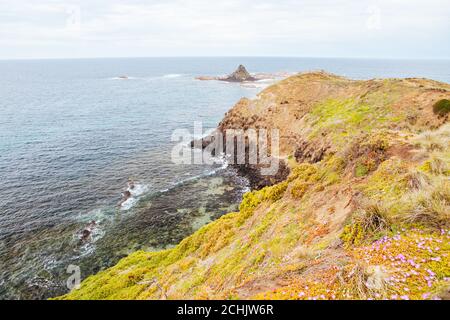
(300, 28)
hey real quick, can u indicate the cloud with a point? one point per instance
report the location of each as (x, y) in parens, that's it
(229, 27)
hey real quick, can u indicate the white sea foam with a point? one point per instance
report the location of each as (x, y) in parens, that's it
(128, 204)
(121, 78)
(268, 80)
(88, 247)
(137, 191)
(221, 159)
(150, 78)
(173, 75)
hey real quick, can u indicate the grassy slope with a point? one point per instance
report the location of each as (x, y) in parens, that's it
(369, 220)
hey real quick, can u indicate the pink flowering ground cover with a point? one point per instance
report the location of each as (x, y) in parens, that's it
(411, 264)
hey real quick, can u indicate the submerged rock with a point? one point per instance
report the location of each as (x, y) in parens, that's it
(125, 196)
(87, 231)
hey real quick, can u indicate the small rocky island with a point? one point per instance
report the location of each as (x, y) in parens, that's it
(240, 75)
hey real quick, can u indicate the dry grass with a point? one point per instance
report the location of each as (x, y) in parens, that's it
(431, 205)
(371, 221)
(429, 199)
(356, 278)
(417, 180)
(374, 218)
(437, 164)
(435, 140)
(366, 282)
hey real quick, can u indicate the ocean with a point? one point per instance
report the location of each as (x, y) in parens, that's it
(73, 134)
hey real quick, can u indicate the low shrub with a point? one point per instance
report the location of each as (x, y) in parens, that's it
(442, 107)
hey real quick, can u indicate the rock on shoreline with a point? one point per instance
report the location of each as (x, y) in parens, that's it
(250, 171)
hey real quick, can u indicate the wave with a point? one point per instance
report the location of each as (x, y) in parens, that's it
(221, 160)
(123, 78)
(173, 75)
(259, 84)
(98, 220)
(268, 80)
(89, 246)
(149, 78)
(136, 191)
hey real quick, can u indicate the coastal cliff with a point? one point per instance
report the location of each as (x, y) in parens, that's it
(364, 212)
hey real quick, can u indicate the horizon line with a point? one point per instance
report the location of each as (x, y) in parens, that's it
(231, 56)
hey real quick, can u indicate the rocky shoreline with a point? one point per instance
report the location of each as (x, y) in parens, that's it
(361, 205)
(252, 172)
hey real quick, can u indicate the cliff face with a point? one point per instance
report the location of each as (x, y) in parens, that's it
(366, 205)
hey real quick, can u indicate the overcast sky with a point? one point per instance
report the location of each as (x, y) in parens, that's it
(308, 28)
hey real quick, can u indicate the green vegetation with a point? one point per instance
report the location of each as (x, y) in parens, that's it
(361, 170)
(442, 107)
(398, 267)
(345, 118)
(369, 219)
(372, 220)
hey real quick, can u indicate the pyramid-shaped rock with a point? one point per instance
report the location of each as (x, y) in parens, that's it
(241, 74)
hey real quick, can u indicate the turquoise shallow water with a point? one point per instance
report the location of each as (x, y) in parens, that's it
(72, 133)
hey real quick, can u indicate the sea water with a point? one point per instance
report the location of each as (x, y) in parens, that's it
(74, 133)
